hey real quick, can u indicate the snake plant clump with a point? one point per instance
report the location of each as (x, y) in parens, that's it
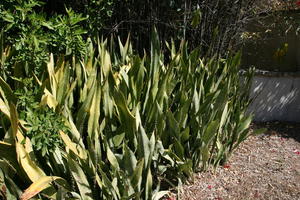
(128, 127)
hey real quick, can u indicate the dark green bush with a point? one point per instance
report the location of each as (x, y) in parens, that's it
(33, 35)
(214, 26)
(136, 126)
(42, 123)
(113, 124)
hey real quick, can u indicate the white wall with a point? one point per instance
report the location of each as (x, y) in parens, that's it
(275, 98)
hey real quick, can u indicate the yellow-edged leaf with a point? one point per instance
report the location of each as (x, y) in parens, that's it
(29, 166)
(38, 186)
(106, 63)
(51, 72)
(112, 158)
(80, 179)
(4, 108)
(75, 148)
(48, 99)
(13, 120)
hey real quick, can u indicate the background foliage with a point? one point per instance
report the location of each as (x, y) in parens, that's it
(215, 26)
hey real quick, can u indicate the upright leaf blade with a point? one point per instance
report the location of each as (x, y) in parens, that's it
(38, 186)
(80, 179)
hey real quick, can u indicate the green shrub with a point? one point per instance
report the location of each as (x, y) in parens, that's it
(42, 123)
(136, 125)
(214, 26)
(33, 36)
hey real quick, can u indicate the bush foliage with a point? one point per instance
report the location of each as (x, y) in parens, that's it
(123, 126)
(214, 26)
(89, 118)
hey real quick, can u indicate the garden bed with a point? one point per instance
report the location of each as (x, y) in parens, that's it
(263, 167)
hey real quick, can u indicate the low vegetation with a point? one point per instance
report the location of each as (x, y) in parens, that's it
(82, 117)
(119, 126)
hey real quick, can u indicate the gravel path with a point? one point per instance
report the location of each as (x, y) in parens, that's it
(263, 167)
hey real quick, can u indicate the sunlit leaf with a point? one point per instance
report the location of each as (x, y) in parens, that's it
(38, 186)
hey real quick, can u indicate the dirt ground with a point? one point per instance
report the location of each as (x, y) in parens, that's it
(263, 167)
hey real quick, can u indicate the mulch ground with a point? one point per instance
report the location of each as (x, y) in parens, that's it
(263, 167)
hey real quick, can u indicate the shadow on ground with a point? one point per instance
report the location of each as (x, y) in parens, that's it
(284, 129)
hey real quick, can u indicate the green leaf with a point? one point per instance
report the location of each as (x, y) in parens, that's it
(126, 116)
(182, 114)
(94, 112)
(173, 125)
(243, 132)
(63, 77)
(75, 148)
(246, 121)
(108, 103)
(124, 49)
(112, 158)
(118, 139)
(136, 178)
(205, 154)
(224, 116)
(80, 179)
(109, 188)
(82, 113)
(186, 167)
(185, 135)
(196, 18)
(39, 185)
(33, 171)
(179, 149)
(14, 120)
(106, 63)
(7, 92)
(144, 150)
(210, 132)
(129, 160)
(8, 152)
(148, 187)
(8, 187)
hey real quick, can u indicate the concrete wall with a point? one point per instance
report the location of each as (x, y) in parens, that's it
(276, 98)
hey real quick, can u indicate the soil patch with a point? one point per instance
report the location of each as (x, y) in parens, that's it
(263, 167)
